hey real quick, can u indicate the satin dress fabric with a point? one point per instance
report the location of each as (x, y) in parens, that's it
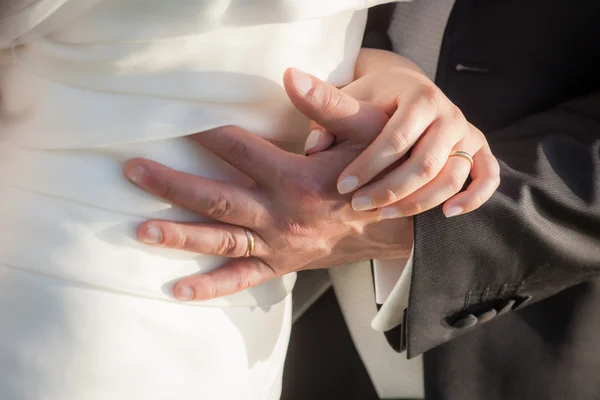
(86, 311)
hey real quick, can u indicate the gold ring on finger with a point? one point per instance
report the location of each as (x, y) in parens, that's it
(465, 155)
(250, 247)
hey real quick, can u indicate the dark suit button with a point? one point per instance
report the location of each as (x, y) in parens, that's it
(522, 302)
(466, 322)
(486, 316)
(507, 307)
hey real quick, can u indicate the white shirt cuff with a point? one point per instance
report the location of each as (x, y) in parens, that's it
(392, 290)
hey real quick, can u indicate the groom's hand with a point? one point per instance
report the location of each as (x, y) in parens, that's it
(294, 211)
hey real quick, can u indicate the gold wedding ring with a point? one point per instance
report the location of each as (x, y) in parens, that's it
(464, 155)
(250, 248)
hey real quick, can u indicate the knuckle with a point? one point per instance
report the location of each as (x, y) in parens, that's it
(495, 181)
(213, 292)
(396, 143)
(413, 208)
(243, 282)
(181, 241)
(389, 196)
(476, 202)
(455, 114)
(430, 166)
(401, 98)
(495, 170)
(227, 245)
(205, 287)
(174, 238)
(248, 277)
(219, 207)
(455, 182)
(331, 99)
(238, 151)
(428, 93)
(166, 190)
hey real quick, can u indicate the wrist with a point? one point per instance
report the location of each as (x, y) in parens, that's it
(399, 242)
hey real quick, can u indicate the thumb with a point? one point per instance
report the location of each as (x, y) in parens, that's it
(319, 139)
(342, 115)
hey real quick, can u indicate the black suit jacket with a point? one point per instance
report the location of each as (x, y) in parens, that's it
(505, 301)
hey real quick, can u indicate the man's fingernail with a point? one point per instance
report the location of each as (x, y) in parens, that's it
(184, 292)
(302, 81)
(313, 139)
(454, 211)
(347, 185)
(362, 203)
(151, 235)
(390, 212)
(136, 174)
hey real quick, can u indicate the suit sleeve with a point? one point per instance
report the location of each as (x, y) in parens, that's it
(538, 235)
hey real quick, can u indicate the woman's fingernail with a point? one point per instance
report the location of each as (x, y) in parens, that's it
(390, 212)
(151, 235)
(454, 211)
(136, 174)
(313, 139)
(362, 203)
(302, 81)
(184, 292)
(347, 185)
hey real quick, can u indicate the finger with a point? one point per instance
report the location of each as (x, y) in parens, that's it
(318, 139)
(425, 162)
(446, 184)
(235, 276)
(486, 178)
(210, 239)
(345, 117)
(402, 131)
(247, 152)
(223, 202)
(384, 97)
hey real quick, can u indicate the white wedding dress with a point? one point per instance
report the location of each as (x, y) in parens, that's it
(86, 312)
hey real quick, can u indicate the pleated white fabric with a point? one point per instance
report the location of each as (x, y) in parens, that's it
(86, 312)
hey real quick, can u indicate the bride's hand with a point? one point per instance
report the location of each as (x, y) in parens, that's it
(409, 167)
